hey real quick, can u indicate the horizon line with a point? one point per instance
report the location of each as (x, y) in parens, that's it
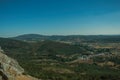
(62, 35)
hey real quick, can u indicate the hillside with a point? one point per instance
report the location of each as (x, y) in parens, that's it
(53, 60)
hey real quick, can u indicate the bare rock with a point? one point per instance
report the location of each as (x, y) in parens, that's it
(10, 69)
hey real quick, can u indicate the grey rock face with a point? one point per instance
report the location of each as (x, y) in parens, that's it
(10, 69)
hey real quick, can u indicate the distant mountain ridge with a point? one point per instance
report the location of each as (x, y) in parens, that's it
(72, 38)
(30, 37)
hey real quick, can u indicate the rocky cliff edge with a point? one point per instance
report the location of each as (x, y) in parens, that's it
(11, 70)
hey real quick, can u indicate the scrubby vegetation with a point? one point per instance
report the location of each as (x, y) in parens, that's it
(53, 60)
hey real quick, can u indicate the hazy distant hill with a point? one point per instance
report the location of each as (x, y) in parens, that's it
(72, 38)
(31, 37)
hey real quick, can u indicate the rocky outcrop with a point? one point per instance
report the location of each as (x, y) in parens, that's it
(10, 69)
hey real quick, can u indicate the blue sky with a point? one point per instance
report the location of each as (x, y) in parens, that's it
(59, 17)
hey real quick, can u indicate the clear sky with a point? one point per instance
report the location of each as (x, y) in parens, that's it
(59, 17)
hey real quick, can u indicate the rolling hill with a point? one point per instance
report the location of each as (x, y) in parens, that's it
(71, 38)
(54, 60)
